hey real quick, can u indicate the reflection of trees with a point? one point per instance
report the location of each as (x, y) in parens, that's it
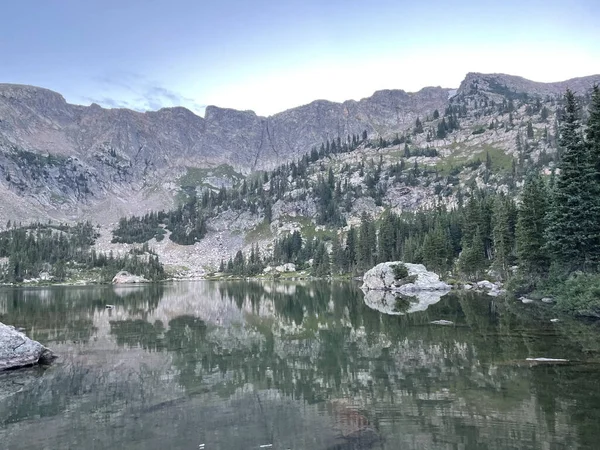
(324, 342)
(64, 313)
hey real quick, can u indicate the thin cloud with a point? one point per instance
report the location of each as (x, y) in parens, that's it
(141, 93)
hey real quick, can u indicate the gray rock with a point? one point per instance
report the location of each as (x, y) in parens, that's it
(381, 277)
(125, 277)
(485, 284)
(17, 350)
(288, 267)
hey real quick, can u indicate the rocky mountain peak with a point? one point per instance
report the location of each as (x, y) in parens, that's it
(503, 84)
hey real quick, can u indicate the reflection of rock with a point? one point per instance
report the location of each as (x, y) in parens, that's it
(382, 277)
(390, 302)
(124, 291)
(17, 350)
(125, 277)
(12, 381)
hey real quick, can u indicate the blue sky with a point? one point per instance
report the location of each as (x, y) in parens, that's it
(272, 55)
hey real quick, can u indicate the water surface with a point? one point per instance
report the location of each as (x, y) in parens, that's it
(240, 365)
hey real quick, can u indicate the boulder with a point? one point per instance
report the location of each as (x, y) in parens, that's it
(288, 267)
(17, 350)
(124, 277)
(382, 278)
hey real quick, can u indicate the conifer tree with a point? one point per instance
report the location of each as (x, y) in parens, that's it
(418, 126)
(531, 227)
(367, 244)
(573, 234)
(503, 234)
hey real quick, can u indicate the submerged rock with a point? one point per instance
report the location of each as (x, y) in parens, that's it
(548, 360)
(526, 300)
(124, 277)
(442, 322)
(383, 277)
(17, 350)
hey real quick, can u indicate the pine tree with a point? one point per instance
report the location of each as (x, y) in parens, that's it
(531, 227)
(386, 238)
(418, 126)
(350, 249)
(529, 130)
(338, 257)
(503, 234)
(593, 127)
(437, 250)
(472, 260)
(572, 234)
(367, 244)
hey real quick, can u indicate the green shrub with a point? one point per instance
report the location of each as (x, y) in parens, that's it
(400, 271)
(579, 295)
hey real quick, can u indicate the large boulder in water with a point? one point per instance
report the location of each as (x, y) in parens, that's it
(17, 350)
(402, 278)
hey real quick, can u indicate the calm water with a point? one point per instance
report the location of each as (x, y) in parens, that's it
(295, 366)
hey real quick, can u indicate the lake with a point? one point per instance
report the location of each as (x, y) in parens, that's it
(250, 365)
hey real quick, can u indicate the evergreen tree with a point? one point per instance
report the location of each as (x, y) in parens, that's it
(503, 234)
(573, 234)
(529, 130)
(350, 249)
(418, 126)
(386, 238)
(338, 257)
(367, 244)
(531, 227)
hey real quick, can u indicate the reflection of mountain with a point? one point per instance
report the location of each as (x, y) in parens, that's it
(311, 353)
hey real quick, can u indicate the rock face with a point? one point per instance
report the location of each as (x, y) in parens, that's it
(383, 278)
(17, 350)
(63, 161)
(124, 277)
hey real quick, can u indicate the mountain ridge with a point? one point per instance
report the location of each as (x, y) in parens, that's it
(56, 157)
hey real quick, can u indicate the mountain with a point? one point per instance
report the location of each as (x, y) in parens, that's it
(70, 161)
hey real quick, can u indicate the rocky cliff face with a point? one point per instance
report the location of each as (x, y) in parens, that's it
(72, 162)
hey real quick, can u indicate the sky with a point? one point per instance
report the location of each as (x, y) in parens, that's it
(271, 55)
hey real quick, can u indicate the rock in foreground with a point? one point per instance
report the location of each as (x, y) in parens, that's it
(416, 277)
(17, 350)
(124, 277)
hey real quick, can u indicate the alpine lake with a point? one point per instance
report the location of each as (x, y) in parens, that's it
(295, 365)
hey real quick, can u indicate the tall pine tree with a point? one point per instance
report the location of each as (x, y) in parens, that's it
(573, 234)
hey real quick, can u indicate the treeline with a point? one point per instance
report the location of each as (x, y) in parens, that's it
(187, 225)
(59, 249)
